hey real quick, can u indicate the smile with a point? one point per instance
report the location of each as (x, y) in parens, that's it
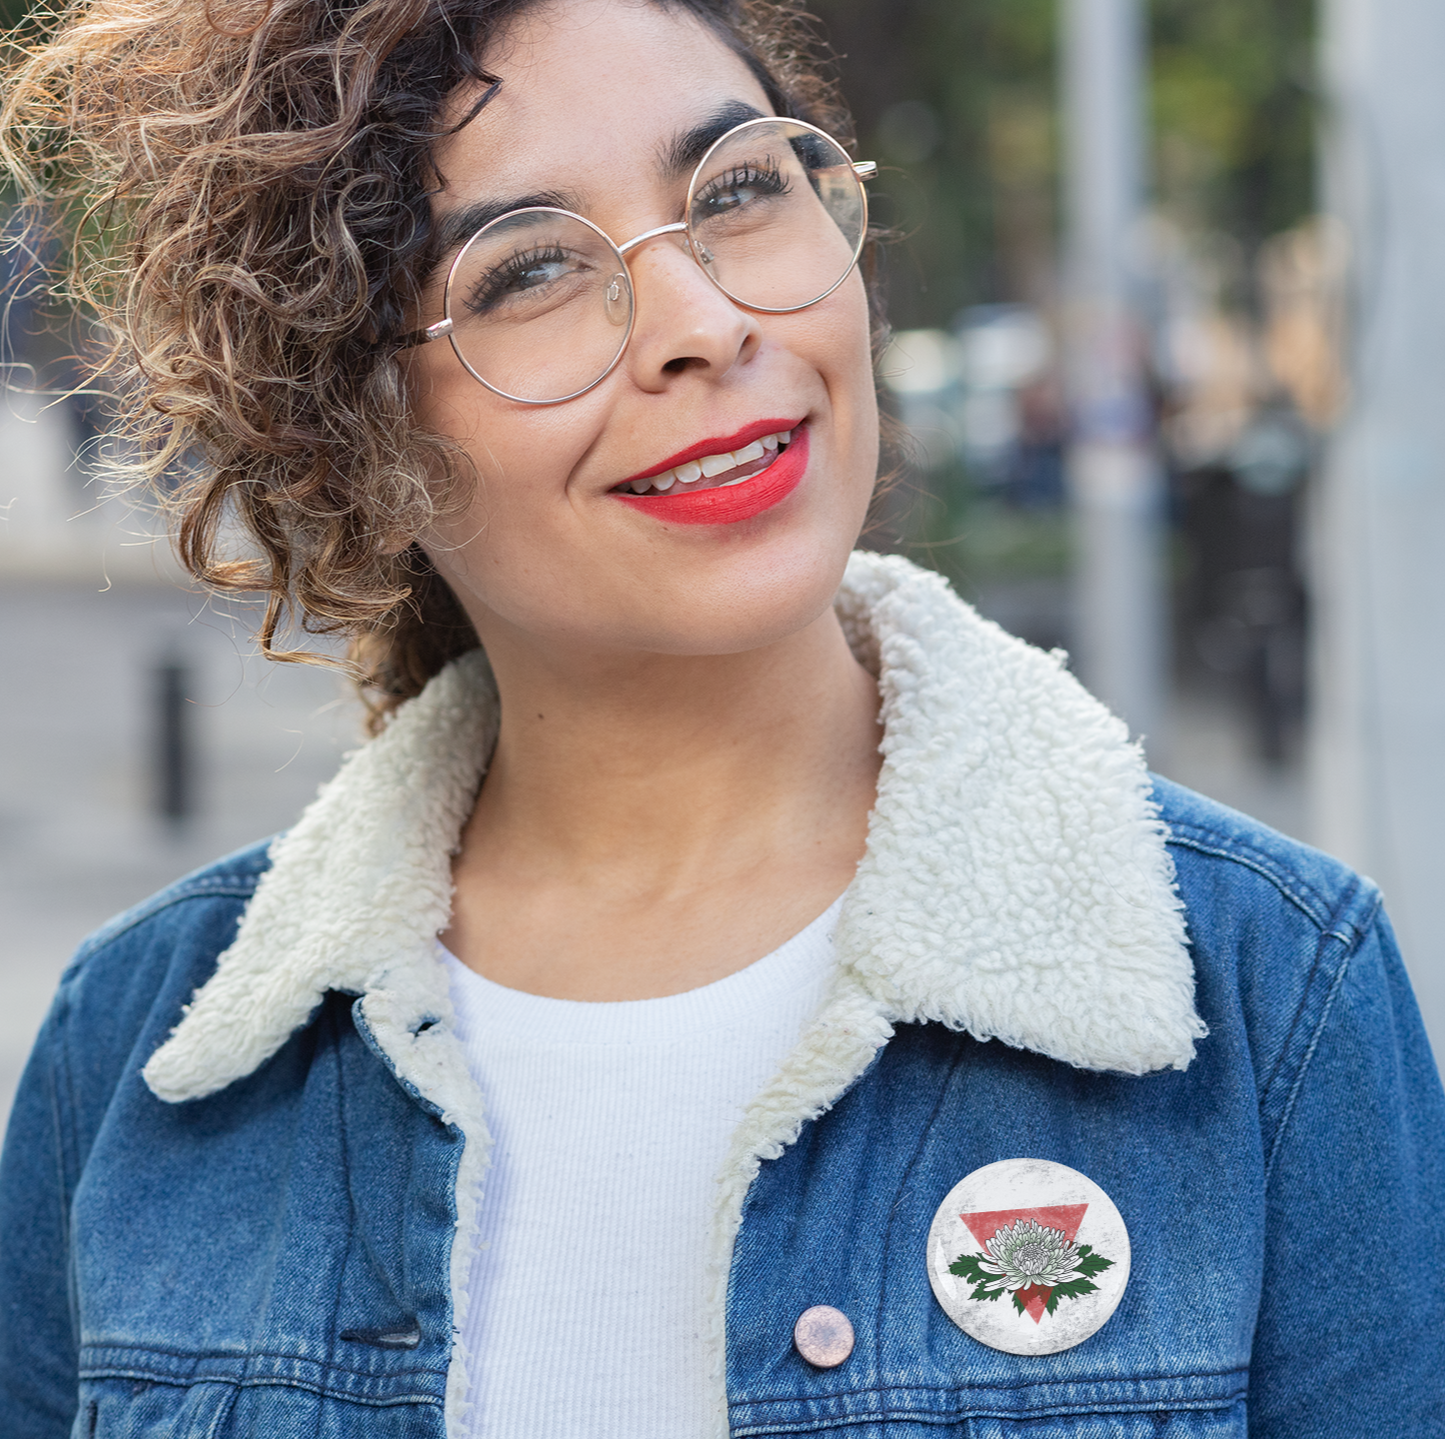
(720, 469)
(723, 486)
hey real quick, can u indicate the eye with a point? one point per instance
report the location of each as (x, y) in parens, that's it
(739, 187)
(524, 276)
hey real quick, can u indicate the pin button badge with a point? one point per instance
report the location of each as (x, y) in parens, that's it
(1028, 1256)
(824, 1336)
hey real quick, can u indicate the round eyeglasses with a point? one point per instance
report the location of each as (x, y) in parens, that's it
(539, 304)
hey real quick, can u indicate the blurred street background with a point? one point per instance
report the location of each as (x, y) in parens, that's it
(1169, 298)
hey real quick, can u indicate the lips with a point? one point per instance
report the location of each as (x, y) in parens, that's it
(713, 447)
(717, 505)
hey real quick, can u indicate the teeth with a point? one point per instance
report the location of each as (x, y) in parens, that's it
(717, 465)
(714, 466)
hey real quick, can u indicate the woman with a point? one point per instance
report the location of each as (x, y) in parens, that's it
(564, 1072)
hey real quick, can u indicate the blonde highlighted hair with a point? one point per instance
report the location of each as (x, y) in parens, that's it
(243, 192)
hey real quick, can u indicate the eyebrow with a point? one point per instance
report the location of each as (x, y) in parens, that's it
(678, 156)
(689, 148)
(460, 226)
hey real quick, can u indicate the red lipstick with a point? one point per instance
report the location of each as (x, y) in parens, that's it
(711, 446)
(716, 506)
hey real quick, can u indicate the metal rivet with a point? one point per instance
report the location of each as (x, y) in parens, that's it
(824, 1336)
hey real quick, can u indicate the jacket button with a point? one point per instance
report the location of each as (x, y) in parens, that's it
(823, 1336)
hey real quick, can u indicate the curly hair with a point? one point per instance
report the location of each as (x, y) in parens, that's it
(244, 193)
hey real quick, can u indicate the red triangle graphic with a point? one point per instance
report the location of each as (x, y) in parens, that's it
(984, 1224)
(1036, 1296)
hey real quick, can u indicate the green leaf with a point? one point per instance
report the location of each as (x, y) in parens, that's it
(1018, 1299)
(982, 1291)
(1091, 1264)
(1072, 1290)
(967, 1266)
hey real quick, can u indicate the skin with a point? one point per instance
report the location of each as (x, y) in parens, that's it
(688, 750)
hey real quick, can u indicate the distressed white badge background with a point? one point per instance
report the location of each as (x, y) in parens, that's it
(1019, 1187)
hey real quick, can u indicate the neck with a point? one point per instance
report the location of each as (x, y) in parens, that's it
(656, 759)
(657, 796)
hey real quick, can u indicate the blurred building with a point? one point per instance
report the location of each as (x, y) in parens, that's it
(141, 737)
(1378, 772)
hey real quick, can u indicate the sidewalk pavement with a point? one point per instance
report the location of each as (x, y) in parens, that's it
(80, 839)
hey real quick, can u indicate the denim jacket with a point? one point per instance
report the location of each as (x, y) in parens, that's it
(237, 1190)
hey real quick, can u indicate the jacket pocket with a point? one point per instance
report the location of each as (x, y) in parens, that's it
(138, 1392)
(1229, 1423)
(1164, 1407)
(129, 1409)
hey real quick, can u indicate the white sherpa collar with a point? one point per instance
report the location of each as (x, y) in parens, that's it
(1016, 882)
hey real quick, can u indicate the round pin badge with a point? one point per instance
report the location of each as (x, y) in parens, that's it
(1028, 1256)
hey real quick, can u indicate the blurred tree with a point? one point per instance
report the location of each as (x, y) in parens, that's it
(957, 99)
(1234, 115)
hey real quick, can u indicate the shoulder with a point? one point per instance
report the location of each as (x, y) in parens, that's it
(130, 980)
(1292, 951)
(173, 909)
(1223, 856)
(166, 944)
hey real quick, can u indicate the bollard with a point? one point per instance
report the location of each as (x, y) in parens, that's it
(174, 747)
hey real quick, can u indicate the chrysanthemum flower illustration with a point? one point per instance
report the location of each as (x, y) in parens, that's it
(1027, 1253)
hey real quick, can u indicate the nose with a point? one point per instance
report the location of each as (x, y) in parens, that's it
(683, 322)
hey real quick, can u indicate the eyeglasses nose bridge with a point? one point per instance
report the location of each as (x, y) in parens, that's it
(669, 230)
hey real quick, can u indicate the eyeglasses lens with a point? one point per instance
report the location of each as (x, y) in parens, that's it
(776, 215)
(540, 305)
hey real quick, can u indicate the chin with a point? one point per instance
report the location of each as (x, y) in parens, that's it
(745, 599)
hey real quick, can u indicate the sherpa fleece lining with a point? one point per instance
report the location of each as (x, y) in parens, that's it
(1015, 885)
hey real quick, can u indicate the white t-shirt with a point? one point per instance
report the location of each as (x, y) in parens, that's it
(610, 1122)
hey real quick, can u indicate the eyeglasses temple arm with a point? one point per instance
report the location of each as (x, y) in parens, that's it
(865, 170)
(434, 332)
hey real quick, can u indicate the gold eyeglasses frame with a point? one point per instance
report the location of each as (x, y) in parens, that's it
(862, 171)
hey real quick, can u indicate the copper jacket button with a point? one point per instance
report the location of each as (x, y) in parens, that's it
(823, 1336)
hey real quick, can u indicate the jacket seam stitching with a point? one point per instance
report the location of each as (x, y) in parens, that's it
(1277, 1142)
(1241, 1369)
(64, 1111)
(1088, 1407)
(1291, 886)
(926, 1134)
(945, 1415)
(327, 1019)
(230, 887)
(1288, 1111)
(242, 1357)
(327, 1392)
(1294, 1023)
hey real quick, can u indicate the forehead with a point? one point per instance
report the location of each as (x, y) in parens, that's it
(594, 95)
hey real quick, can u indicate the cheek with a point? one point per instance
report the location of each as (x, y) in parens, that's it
(521, 456)
(844, 359)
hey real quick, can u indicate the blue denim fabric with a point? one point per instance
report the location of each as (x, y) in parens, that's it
(273, 1260)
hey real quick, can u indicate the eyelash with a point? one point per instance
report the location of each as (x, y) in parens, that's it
(491, 285)
(770, 180)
